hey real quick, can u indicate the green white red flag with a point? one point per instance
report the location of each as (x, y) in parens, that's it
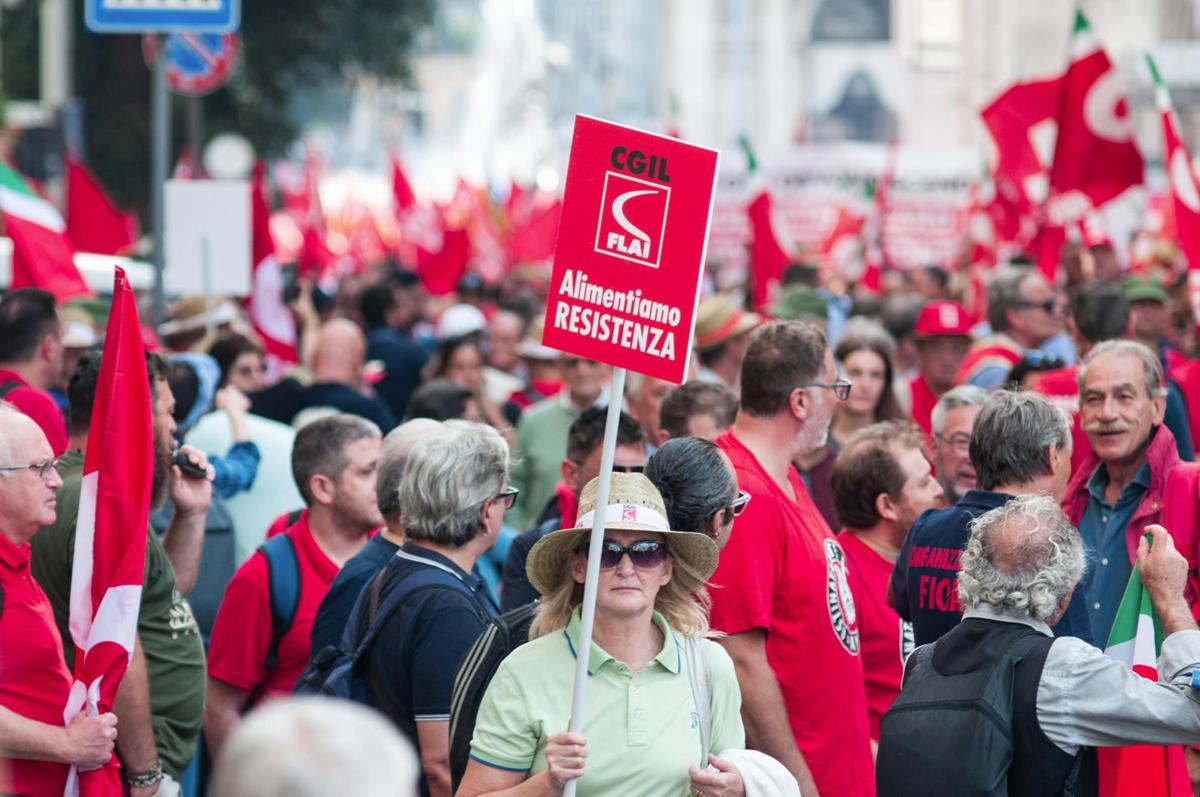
(1095, 156)
(110, 534)
(42, 254)
(1149, 770)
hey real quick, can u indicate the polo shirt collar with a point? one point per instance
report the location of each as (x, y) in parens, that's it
(14, 557)
(307, 545)
(410, 550)
(984, 499)
(670, 658)
(985, 613)
(1098, 481)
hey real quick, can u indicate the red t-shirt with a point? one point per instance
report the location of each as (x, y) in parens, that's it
(34, 680)
(39, 405)
(783, 571)
(241, 635)
(886, 639)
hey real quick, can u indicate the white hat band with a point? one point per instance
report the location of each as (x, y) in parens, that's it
(626, 513)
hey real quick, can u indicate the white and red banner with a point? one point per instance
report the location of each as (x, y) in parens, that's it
(631, 245)
(271, 317)
(110, 537)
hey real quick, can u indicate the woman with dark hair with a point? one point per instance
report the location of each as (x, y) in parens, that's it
(460, 360)
(241, 362)
(865, 355)
(698, 487)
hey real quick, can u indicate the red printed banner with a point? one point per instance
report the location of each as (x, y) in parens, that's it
(631, 245)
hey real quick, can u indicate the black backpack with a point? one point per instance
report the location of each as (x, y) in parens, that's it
(338, 671)
(502, 636)
(952, 735)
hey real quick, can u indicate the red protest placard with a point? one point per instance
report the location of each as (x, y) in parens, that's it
(635, 217)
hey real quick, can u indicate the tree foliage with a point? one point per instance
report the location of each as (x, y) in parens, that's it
(287, 46)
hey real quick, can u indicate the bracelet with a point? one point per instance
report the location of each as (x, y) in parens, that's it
(142, 780)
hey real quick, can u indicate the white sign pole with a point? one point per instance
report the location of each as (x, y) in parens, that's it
(588, 610)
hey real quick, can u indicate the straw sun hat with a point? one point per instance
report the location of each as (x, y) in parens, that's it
(633, 505)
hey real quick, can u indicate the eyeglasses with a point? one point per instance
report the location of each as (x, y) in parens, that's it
(959, 442)
(509, 497)
(645, 554)
(739, 504)
(628, 468)
(43, 468)
(840, 388)
(1049, 305)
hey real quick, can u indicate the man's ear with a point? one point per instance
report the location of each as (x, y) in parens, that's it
(886, 508)
(800, 403)
(569, 471)
(322, 488)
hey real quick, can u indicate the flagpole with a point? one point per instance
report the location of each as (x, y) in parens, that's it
(595, 545)
(160, 137)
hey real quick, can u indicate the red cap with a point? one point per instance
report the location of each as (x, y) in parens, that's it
(943, 319)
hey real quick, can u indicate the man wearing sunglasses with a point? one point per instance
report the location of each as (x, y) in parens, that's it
(1023, 313)
(780, 592)
(881, 484)
(34, 680)
(582, 464)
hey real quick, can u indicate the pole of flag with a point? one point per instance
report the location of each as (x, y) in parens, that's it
(160, 143)
(588, 610)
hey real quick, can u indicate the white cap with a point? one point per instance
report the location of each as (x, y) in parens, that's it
(459, 320)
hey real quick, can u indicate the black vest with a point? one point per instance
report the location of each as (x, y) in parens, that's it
(1039, 767)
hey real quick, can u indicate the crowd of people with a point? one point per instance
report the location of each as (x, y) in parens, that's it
(370, 579)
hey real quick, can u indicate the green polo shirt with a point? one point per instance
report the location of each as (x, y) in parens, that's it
(642, 728)
(537, 460)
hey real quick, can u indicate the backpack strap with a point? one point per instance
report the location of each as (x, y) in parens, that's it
(283, 589)
(8, 387)
(701, 676)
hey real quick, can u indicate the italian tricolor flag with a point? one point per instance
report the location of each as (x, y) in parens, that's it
(1148, 770)
(42, 255)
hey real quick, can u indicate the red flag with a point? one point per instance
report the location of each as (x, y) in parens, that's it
(534, 240)
(767, 257)
(1020, 177)
(110, 536)
(271, 318)
(93, 223)
(441, 270)
(42, 254)
(1095, 156)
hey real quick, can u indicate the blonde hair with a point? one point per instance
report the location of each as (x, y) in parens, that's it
(686, 612)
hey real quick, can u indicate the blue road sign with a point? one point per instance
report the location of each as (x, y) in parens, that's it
(162, 16)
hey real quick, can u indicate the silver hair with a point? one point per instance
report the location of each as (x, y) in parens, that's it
(393, 454)
(1013, 437)
(1022, 560)
(1127, 348)
(1004, 294)
(448, 478)
(952, 399)
(313, 747)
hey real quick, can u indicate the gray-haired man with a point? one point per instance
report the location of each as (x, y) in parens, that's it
(1021, 564)
(1020, 445)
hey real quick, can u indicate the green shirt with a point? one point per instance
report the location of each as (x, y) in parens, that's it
(642, 728)
(537, 460)
(170, 638)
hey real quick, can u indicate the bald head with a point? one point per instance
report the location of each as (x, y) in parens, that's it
(338, 355)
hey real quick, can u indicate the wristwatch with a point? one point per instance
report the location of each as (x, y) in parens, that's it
(142, 780)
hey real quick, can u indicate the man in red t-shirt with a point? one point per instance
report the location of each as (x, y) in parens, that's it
(334, 461)
(943, 335)
(780, 592)
(881, 483)
(34, 680)
(31, 360)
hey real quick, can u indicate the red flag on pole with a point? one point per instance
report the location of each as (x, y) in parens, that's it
(42, 255)
(110, 537)
(1095, 156)
(93, 222)
(767, 257)
(271, 318)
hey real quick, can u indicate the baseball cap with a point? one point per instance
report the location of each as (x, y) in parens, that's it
(943, 318)
(459, 320)
(1143, 289)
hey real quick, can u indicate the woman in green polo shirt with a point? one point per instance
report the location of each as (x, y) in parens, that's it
(643, 727)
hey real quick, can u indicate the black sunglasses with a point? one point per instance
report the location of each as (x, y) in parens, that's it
(628, 468)
(645, 554)
(1047, 305)
(509, 497)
